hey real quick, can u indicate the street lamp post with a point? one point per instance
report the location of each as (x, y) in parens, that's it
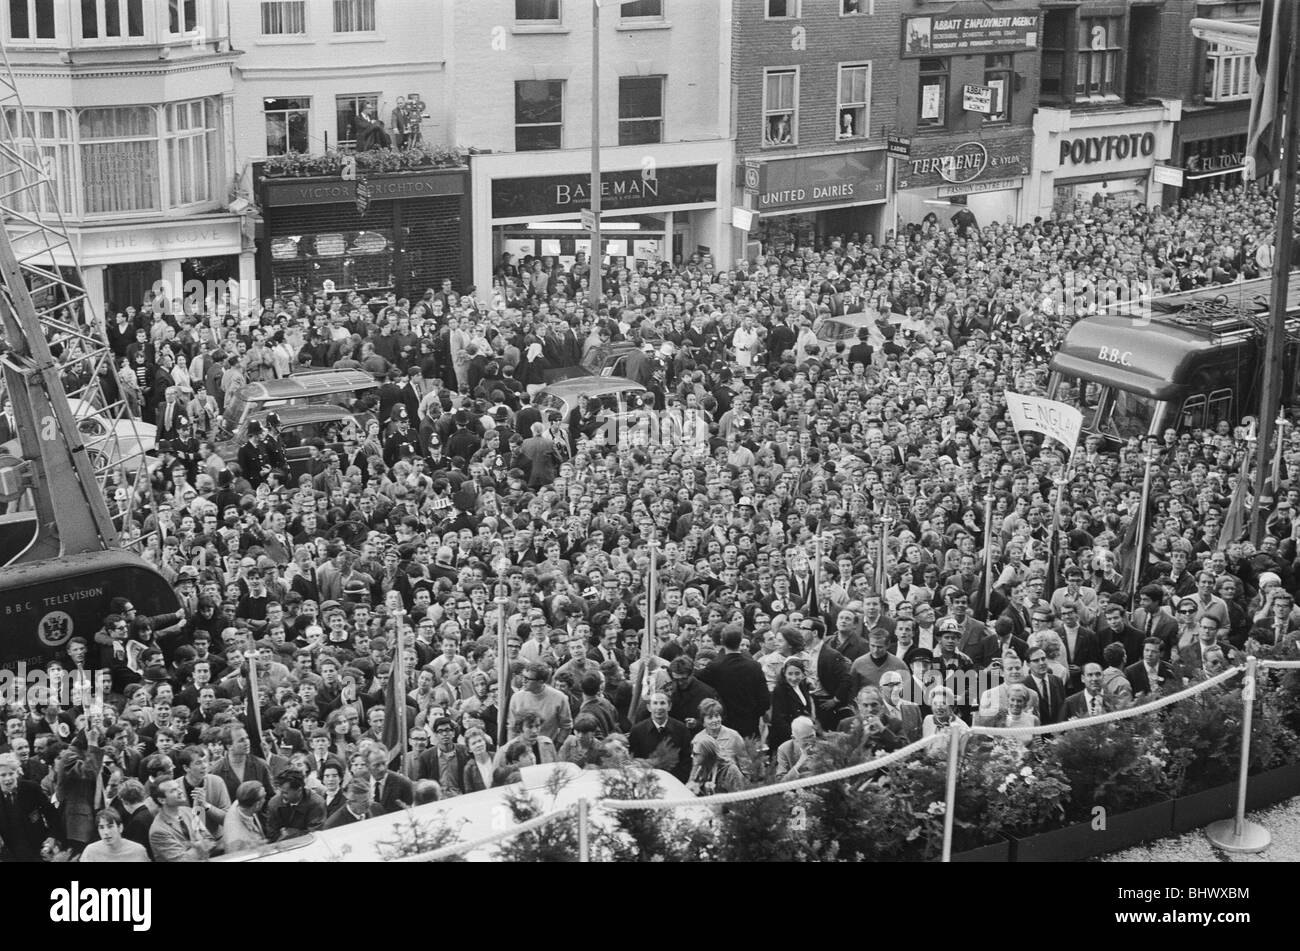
(594, 282)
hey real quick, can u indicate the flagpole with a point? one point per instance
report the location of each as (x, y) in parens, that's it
(1141, 526)
(1282, 424)
(652, 597)
(1276, 341)
(988, 552)
(503, 673)
(399, 683)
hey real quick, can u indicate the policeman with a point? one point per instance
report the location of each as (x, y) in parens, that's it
(401, 442)
(252, 456)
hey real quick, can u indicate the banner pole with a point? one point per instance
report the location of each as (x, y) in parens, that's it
(988, 552)
(950, 797)
(503, 674)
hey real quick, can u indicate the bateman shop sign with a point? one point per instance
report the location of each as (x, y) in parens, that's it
(634, 188)
(943, 163)
(846, 178)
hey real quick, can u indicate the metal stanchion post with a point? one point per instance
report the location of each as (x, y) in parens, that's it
(1238, 834)
(950, 799)
(584, 839)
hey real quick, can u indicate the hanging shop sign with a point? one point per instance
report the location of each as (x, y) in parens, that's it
(970, 29)
(963, 163)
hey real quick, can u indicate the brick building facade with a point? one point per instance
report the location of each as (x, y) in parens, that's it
(815, 88)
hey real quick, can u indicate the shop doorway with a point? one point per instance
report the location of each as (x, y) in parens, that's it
(130, 284)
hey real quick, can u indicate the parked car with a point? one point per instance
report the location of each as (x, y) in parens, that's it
(108, 442)
(298, 426)
(314, 387)
(616, 395)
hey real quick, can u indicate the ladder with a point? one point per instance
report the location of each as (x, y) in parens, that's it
(81, 462)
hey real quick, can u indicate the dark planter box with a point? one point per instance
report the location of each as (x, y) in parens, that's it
(1275, 785)
(1202, 808)
(994, 852)
(1081, 841)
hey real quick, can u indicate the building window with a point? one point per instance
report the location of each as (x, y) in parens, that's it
(354, 16)
(780, 107)
(45, 141)
(1097, 59)
(537, 11)
(1051, 81)
(191, 143)
(1228, 74)
(933, 106)
(539, 114)
(119, 160)
(782, 9)
(998, 76)
(852, 118)
(182, 16)
(346, 109)
(286, 124)
(642, 10)
(111, 19)
(640, 110)
(850, 8)
(31, 19)
(284, 17)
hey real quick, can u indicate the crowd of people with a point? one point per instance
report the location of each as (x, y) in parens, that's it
(816, 514)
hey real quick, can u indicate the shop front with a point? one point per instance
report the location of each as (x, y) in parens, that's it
(127, 264)
(1107, 155)
(984, 173)
(1212, 163)
(799, 199)
(406, 233)
(652, 210)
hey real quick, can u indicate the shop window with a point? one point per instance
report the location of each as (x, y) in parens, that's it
(284, 17)
(1056, 30)
(31, 19)
(354, 16)
(999, 76)
(346, 109)
(932, 109)
(640, 110)
(1228, 74)
(191, 148)
(286, 124)
(537, 11)
(1097, 57)
(852, 111)
(119, 160)
(780, 107)
(112, 19)
(642, 10)
(44, 140)
(539, 115)
(782, 9)
(182, 16)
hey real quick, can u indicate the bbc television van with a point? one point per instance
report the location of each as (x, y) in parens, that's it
(1190, 361)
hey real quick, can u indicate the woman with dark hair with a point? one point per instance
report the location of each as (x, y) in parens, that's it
(791, 698)
(583, 746)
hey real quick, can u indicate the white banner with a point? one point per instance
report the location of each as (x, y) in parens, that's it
(1048, 417)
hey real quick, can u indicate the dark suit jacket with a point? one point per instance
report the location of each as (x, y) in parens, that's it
(1087, 650)
(742, 690)
(1049, 708)
(852, 648)
(428, 768)
(398, 793)
(1163, 627)
(475, 781)
(833, 674)
(343, 817)
(1076, 706)
(644, 740)
(1141, 683)
(27, 823)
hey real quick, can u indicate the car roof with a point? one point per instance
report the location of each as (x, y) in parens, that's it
(590, 386)
(308, 384)
(296, 415)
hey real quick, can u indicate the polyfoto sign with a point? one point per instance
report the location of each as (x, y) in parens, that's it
(1058, 421)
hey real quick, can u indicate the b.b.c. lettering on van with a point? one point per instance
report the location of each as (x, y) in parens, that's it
(1114, 355)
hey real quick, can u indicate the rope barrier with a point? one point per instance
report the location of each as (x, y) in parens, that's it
(1281, 664)
(758, 792)
(1185, 694)
(459, 848)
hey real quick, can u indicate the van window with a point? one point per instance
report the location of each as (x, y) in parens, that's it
(1124, 415)
(1193, 414)
(1220, 408)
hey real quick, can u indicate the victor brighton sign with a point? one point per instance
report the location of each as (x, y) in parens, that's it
(945, 163)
